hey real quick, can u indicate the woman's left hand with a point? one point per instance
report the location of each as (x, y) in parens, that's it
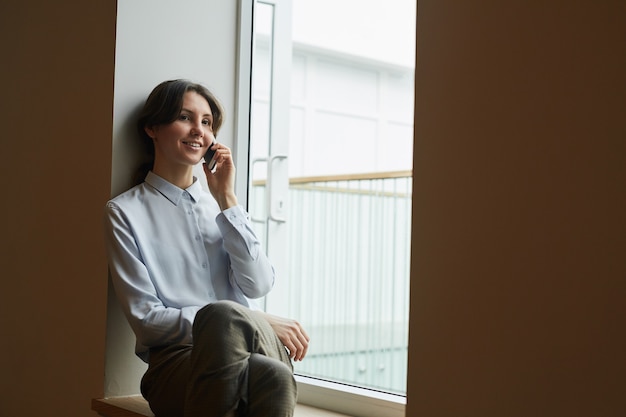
(291, 334)
(221, 180)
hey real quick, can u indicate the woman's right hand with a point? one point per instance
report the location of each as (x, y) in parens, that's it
(221, 180)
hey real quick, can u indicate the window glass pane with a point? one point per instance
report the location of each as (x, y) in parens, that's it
(350, 124)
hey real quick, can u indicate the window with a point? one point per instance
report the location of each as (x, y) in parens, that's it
(331, 134)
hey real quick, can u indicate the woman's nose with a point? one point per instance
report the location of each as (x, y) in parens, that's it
(196, 129)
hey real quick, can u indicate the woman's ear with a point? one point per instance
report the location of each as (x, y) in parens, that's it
(150, 131)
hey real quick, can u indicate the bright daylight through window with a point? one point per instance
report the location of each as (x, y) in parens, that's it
(330, 178)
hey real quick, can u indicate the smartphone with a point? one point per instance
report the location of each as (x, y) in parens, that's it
(209, 157)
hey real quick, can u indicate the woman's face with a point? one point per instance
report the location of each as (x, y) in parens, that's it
(186, 139)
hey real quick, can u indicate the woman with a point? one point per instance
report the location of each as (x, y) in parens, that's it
(184, 264)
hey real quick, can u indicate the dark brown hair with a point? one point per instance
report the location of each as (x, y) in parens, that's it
(163, 106)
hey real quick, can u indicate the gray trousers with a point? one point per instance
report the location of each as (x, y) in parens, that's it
(236, 366)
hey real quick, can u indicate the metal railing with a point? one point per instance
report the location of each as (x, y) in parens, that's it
(349, 257)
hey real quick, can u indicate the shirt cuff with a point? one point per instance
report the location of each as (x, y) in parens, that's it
(236, 220)
(234, 216)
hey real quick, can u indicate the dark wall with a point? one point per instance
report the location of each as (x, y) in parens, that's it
(519, 238)
(57, 97)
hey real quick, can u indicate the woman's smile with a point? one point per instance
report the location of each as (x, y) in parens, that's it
(193, 144)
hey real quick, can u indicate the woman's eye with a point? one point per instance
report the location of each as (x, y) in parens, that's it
(183, 117)
(206, 122)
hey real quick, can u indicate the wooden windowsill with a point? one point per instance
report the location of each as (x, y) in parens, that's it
(137, 406)
(131, 406)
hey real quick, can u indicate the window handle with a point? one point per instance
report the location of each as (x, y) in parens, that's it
(277, 204)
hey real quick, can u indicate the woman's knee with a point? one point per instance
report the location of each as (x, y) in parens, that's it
(218, 315)
(271, 372)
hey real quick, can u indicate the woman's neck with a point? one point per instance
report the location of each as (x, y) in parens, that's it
(181, 175)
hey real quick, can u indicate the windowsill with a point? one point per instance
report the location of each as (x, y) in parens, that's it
(303, 410)
(137, 406)
(312, 394)
(348, 399)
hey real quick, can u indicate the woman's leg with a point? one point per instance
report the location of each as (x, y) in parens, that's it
(238, 362)
(164, 385)
(271, 388)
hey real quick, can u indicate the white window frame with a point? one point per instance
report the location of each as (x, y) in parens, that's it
(347, 399)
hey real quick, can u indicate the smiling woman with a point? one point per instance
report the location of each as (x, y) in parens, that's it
(185, 265)
(181, 144)
(183, 102)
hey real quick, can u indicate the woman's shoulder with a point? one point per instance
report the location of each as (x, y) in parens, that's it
(129, 198)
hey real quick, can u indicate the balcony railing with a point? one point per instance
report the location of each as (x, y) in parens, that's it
(349, 256)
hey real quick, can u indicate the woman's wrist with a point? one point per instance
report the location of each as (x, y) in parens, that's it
(227, 201)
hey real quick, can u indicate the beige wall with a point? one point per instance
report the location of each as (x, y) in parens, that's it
(519, 256)
(57, 95)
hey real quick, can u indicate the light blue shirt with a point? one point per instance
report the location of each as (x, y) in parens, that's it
(172, 251)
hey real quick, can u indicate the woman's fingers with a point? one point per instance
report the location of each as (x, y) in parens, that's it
(292, 335)
(300, 341)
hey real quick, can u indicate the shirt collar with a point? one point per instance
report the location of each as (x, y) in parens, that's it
(171, 191)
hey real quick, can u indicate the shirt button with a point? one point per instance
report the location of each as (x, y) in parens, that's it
(204, 265)
(198, 238)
